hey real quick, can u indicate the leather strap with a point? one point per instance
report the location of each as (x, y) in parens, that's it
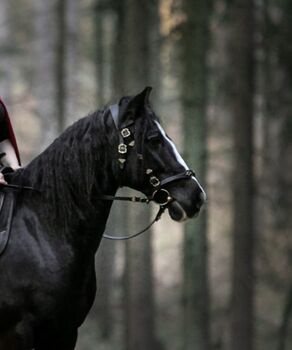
(186, 175)
(16, 187)
(121, 198)
(124, 238)
(114, 109)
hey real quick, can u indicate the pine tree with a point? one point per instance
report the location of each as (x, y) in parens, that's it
(44, 78)
(195, 41)
(140, 305)
(241, 102)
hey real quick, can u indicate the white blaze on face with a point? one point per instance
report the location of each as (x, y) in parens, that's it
(179, 158)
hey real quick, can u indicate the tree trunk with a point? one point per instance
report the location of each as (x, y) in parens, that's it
(139, 296)
(140, 309)
(73, 60)
(242, 91)
(5, 60)
(99, 51)
(60, 71)
(56, 51)
(276, 181)
(285, 321)
(195, 40)
(105, 258)
(119, 50)
(44, 56)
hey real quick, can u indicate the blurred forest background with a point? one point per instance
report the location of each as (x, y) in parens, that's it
(222, 77)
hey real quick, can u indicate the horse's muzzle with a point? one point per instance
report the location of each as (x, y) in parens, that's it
(184, 207)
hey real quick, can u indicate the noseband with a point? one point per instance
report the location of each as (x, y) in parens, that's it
(159, 195)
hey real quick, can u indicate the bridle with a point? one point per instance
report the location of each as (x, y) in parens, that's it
(159, 195)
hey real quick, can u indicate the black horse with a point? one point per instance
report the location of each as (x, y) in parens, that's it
(47, 277)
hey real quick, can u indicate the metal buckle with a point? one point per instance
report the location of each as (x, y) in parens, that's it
(154, 181)
(125, 132)
(190, 173)
(122, 148)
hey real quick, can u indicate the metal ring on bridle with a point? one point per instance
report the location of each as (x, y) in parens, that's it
(161, 197)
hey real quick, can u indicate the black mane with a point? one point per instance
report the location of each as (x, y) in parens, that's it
(67, 172)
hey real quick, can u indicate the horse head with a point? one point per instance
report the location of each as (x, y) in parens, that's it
(149, 162)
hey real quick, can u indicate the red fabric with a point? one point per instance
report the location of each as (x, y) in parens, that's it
(11, 132)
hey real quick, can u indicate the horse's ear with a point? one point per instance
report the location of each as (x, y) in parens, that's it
(146, 93)
(139, 100)
(135, 104)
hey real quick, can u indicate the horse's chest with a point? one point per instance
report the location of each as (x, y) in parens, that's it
(55, 285)
(73, 297)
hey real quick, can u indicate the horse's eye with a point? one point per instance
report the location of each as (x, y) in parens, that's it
(154, 138)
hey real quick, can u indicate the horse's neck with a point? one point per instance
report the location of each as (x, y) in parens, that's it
(70, 175)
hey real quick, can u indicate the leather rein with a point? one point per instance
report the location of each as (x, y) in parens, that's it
(160, 195)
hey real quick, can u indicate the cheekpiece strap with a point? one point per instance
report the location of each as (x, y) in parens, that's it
(125, 137)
